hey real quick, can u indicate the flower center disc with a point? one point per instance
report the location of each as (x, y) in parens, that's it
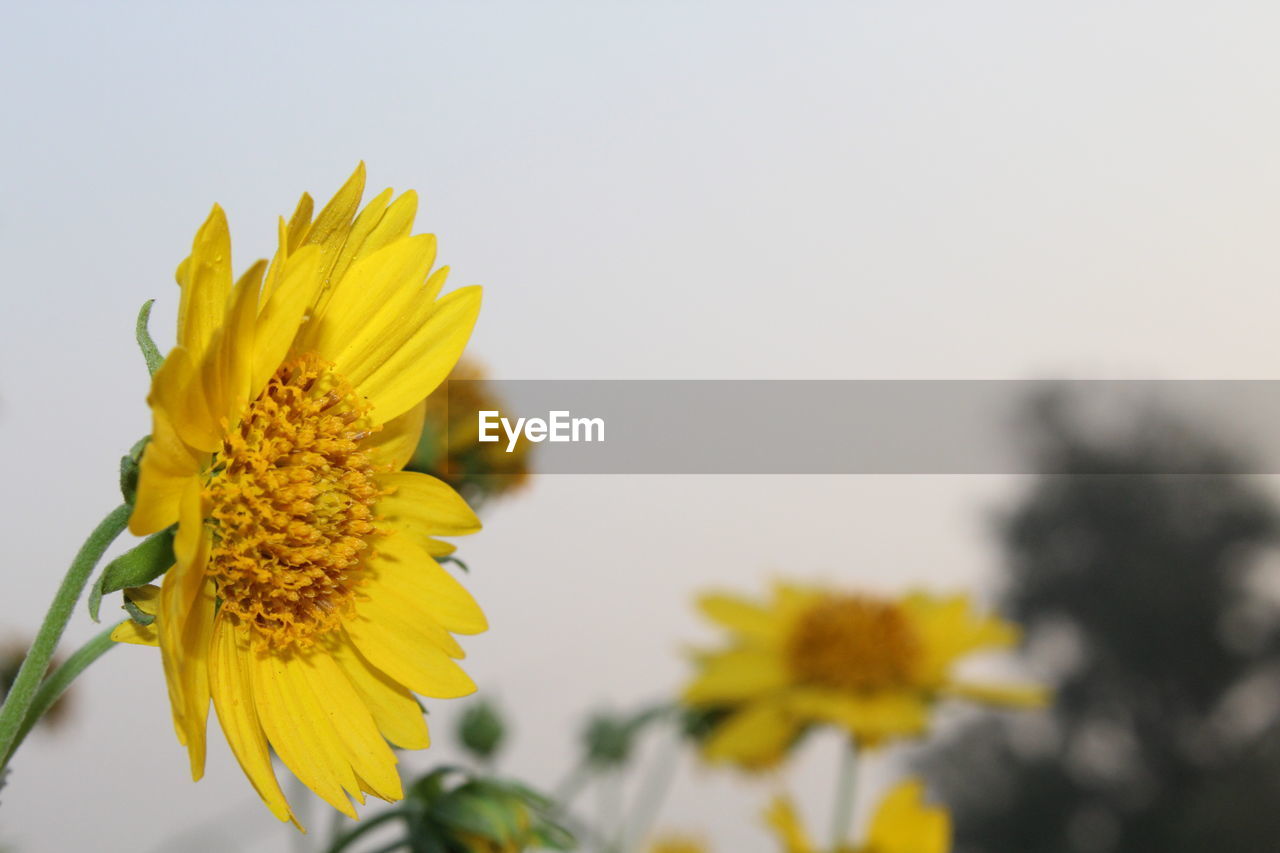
(854, 643)
(291, 496)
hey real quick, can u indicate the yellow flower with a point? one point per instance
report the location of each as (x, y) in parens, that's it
(873, 667)
(304, 600)
(678, 844)
(902, 824)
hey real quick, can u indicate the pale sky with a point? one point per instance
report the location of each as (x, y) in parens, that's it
(646, 190)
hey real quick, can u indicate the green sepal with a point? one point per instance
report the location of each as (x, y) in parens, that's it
(129, 470)
(150, 351)
(136, 613)
(449, 558)
(140, 565)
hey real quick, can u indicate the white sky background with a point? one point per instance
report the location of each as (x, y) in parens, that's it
(862, 190)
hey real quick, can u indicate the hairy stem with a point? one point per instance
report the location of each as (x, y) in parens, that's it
(22, 695)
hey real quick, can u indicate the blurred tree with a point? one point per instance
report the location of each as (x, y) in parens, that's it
(1139, 589)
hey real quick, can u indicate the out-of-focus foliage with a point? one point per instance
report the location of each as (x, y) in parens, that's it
(451, 810)
(1142, 594)
(481, 730)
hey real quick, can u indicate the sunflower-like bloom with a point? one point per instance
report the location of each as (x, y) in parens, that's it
(872, 667)
(902, 824)
(304, 599)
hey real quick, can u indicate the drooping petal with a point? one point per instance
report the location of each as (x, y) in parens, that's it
(397, 713)
(364, 747)
(233, 699)
(298, 727)
(756, 736)
(185, 623)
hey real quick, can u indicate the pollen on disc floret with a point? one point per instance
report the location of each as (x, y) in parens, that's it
(290, 496)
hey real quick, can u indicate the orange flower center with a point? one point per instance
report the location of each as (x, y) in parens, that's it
(291, 496)
(854, 642)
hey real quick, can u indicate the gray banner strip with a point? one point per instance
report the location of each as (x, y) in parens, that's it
(848, 427)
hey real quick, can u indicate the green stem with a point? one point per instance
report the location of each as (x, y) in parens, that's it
(842, 811)
(52, 688)
(366, 826)
(23, 692)
(652, 793)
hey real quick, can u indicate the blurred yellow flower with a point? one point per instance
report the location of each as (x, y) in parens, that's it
(902, 824)
(872, 667)
(305, 601)
(678, 844)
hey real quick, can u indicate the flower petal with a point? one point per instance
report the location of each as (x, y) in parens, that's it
(425, 505)
(397, 713)
(233, 699)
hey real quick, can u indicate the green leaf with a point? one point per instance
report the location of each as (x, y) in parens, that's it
(150, 351)
(141, 565)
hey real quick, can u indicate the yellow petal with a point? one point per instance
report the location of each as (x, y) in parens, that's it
(167, 468)
(415, 369)
(404, 570)
(177, 389)
(365, 749)
(757, 736)
(903, 824)
(282, 314)
(129, 631)
(425, 505)
(299, 223)
(378, 305)
(949, 628)
(205, 278)
(738, 614)
(1008, 696)
(397, 713)
(784, 820)
(393, 445)
(238, 344)
(185, 623)
(238, 716)
(299, 728)
(870, 717)
(146, 598)
(737, 675)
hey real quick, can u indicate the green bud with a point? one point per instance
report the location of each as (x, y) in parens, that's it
(482, 730)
